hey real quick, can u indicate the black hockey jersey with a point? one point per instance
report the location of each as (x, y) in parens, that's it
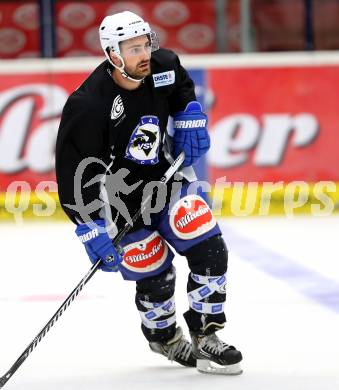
(105, 127)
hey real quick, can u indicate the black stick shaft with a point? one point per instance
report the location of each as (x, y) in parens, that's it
(4, 379)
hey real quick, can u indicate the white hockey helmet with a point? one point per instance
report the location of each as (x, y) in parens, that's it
(120, 27)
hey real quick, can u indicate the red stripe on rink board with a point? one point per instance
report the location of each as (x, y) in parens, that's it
(46, 298)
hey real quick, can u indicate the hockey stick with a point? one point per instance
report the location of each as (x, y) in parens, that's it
(164, 180)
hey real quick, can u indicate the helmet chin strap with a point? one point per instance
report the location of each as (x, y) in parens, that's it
(121, 69)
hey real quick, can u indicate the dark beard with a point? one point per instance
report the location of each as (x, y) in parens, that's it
(139, 74)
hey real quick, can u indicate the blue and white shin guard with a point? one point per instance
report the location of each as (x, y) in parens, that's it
(151, 318)
(206, 286)
(155, 303)
(198, 298)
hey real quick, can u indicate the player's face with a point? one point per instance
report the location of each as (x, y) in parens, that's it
(136, 53)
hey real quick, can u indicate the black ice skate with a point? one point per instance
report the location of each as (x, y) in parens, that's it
(210, 348)
(177, 349)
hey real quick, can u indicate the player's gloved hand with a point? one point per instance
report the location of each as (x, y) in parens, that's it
(99, 246)
(190, 133)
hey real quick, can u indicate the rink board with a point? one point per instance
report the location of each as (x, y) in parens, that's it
(272, 119)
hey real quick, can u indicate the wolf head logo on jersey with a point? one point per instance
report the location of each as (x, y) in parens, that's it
(143, 146)
(146, 141)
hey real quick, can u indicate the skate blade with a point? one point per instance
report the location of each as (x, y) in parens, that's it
(206, 367)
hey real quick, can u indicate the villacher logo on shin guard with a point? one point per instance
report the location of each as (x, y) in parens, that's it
(191, 217)
(146, 255)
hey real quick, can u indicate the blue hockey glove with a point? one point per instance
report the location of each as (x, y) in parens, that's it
(190, 133)
(98, 245)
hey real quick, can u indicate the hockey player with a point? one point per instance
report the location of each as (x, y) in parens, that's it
(116, 124)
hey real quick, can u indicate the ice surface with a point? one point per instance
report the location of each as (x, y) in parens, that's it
(288, 335)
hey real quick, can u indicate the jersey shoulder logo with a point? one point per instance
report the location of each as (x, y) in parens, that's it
(164, 78)
(143, 146)
(117, 108)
